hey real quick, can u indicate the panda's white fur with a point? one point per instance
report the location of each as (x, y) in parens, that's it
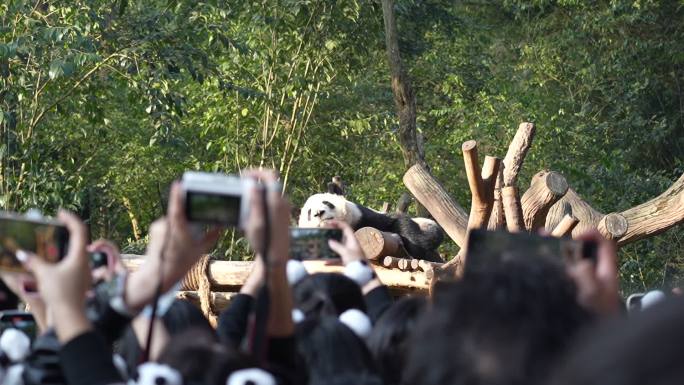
(419, 240)
(315, 213)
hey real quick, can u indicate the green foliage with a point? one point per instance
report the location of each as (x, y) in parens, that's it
(103, 104)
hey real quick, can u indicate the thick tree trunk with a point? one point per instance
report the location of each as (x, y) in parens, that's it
(404, 98)
(410, 140)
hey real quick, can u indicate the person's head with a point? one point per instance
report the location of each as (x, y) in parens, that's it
(389, 341)
(645, 348)
(201, 359)
(180, 317)
(503, 325)
(327, 294)
(333, 354)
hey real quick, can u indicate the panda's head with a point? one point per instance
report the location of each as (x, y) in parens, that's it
(321, 208)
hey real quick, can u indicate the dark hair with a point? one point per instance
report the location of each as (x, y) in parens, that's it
(389, 340)
(646, 348)
(327, 294)
(181, 316)
(198, 356)
(333, 354)
(503, 325)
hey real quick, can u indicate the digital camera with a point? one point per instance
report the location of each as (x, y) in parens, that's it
(214, 198)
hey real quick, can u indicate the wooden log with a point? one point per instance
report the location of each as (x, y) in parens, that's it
(220, 300)
(512, 209)
(655, 216)
(497, 219)
(430, 193)
(403, 265)
(229, 276)
(565, 226)
(642, 221)
(390, 262)
(517, 151)
(546, 188)
(377, 244)
(414, 264)
(481, 185)
(613, 226)
(573, 204)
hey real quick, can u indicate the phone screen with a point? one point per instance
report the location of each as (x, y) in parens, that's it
(490, 247)
(47, 239)
(213, 208)
(19, 320)
(312, 243)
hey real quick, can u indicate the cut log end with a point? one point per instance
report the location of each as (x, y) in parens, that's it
(556, 183)
(613, 226)
(468, 145)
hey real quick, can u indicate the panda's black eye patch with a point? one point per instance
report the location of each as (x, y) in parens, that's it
(330, 205)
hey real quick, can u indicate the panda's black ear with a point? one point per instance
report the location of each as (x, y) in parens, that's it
(333, 188)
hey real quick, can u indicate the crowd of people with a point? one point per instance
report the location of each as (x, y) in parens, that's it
(522, 321)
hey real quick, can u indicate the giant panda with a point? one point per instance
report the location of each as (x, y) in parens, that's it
(421, 236)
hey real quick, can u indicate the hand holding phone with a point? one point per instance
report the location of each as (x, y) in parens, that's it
(491, 247)
(312, 243)
(45, 238)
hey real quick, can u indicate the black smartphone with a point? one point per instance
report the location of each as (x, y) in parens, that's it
(98, 259)
(19, 320)
(46, 238)
(312, 243)
(485, 248)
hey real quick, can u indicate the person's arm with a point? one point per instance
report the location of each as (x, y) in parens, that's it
(87, 360)
(232, 324)
(277, 208)
(377, 296)
(172, 250)
(85, 357)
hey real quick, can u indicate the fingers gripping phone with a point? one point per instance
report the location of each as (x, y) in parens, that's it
(46, 238)
(312, 243)
(485, 248)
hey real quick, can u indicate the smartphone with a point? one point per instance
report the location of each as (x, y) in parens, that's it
(46, 238)
(486, 248)
(98, 259)
(214, 198)
(19, 320)
(312, 243)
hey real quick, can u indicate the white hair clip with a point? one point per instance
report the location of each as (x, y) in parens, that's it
(651, 298)
(251, 376)
(295, 271)
(359, 272)
(15, 344)
(357, 321)
(297, 316)
(152, 373)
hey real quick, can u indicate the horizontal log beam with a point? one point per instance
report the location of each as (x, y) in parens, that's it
(229, 276)
(377, 244)
(655, 216)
